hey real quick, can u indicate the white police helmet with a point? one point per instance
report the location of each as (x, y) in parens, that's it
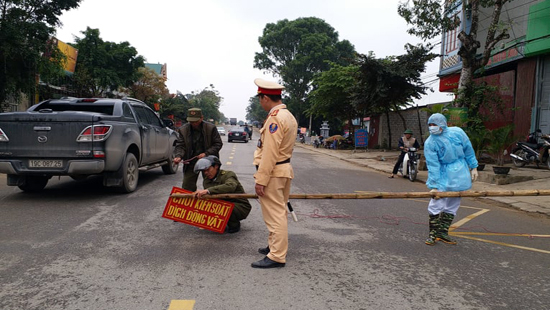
(206, 162)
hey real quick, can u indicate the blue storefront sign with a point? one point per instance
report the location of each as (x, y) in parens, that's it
(361, 138)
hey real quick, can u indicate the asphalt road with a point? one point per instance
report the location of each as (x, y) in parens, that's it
(78, 245)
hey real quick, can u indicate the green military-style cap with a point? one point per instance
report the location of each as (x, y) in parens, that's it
(194, 114)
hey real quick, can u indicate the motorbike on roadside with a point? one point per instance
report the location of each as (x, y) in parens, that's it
(409, 166)
(531, 151)
(318, 142)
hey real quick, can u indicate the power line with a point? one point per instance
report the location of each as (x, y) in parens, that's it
(510, 20)
(516, 20)
(430, 82)
(488, 16)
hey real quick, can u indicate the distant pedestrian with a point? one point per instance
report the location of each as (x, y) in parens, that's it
(248, 131)
(452, 166)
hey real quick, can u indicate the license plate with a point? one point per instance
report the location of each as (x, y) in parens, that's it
(45, 163)
(236, 135)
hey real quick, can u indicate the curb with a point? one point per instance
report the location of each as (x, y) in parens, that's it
(359, 164)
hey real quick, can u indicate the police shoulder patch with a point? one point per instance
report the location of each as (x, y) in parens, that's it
(273, 127)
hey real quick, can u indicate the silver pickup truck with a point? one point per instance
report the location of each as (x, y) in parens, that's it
(79, 137)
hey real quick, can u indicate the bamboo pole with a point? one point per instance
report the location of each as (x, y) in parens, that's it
(386, 195)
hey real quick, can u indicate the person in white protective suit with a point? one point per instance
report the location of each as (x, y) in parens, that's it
(452, 166)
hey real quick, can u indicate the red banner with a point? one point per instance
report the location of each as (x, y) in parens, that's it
(211, 214)
(449, 83)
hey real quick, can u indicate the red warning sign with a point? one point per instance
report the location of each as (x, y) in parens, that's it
(211, 214)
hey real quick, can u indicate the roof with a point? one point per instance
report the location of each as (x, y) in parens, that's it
(160, 69)
(156, 67)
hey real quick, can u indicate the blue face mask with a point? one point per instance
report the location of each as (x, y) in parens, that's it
(434, 130)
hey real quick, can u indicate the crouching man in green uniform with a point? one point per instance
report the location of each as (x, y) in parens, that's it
(217, 181)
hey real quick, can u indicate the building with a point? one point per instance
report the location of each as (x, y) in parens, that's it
(159, 69)
(520, 65)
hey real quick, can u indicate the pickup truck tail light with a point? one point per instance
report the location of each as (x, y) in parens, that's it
(3, 136)
(94, 133)
(99, 154)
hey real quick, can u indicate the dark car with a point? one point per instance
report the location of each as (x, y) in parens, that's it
(237, 133)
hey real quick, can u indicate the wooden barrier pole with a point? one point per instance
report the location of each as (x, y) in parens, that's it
(387, 195)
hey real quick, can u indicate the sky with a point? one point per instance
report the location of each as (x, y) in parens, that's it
(214, 41)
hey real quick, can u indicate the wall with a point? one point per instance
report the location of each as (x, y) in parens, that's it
(411, 117)
(16, 104)
(538, 29)
(514, 16)
(505, 114)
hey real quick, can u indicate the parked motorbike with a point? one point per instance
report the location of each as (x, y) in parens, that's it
(410, 162)
(532, 151)
(302, 138)
(318, 142)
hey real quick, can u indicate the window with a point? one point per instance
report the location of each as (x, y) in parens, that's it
(147, 116)
(451, 39)
(141, 115)
(79, 107)
(153, 118)
(126, 111)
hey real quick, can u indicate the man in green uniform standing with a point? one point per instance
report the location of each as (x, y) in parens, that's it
(196, 140)
(217, 181)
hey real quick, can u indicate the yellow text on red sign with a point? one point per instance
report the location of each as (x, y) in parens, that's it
(211, 214)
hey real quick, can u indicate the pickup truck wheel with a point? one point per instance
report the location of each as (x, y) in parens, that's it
(34, 183)
(130, 173)
(170, 167)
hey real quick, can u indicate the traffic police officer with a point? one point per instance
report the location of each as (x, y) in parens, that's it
(274, 175)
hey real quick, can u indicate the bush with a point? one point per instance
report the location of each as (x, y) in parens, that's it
(500, 139)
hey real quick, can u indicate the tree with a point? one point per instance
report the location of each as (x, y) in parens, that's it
(500, 139)
(254, 111)
(103, 67)
(386, 85)
(176, 105)
(333, 93)
(51, 72)
(209, 101)
(431, 18)
(25, 28)
(149, 88)
(296, 50)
